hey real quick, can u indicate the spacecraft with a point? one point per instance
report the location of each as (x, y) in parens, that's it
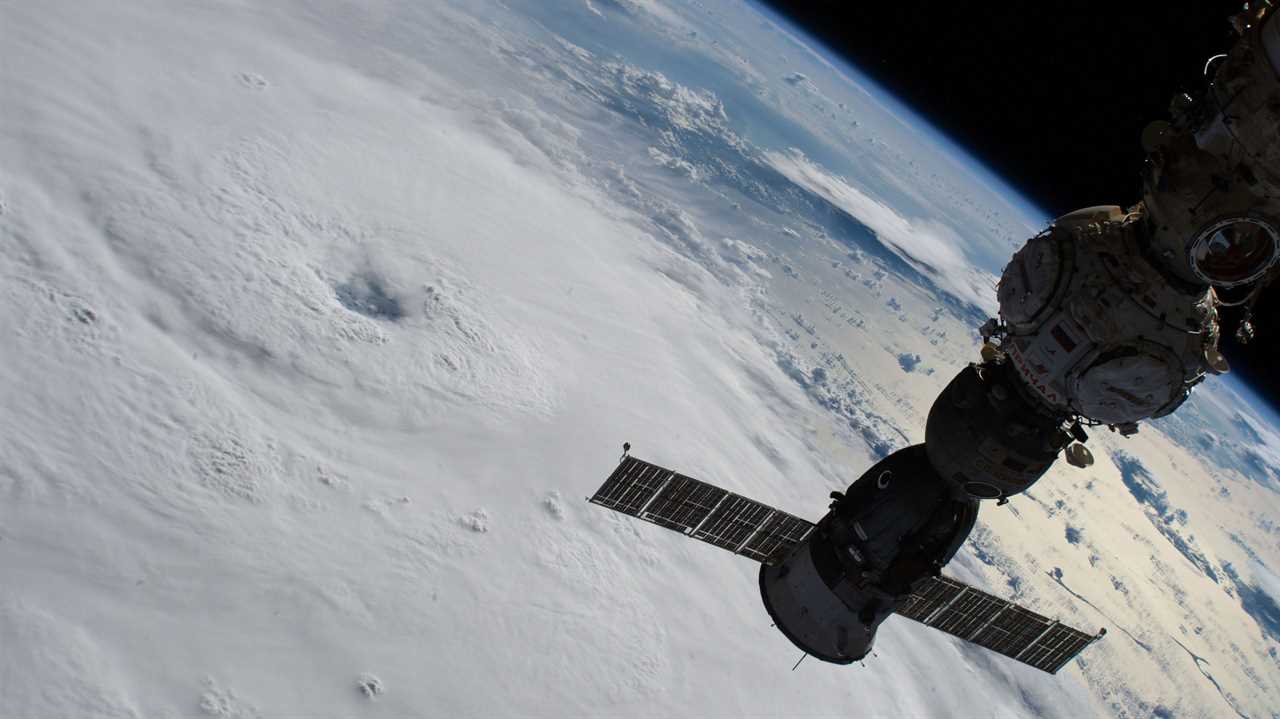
(1107, 318)
(878, 551)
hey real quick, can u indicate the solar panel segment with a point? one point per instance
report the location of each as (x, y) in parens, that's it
(683, 503)
(994, 623)
(700, 510)
(779, 533)
(733, 523)
(631, 486)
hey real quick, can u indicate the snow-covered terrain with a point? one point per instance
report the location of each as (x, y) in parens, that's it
(320, 319)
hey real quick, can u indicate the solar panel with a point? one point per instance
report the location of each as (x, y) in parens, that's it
(733, 523)
(776, 536)
(683, 503)
(997, 624)
(700, 510)
(631, 486)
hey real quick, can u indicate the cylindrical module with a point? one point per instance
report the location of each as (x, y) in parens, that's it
(987, 438)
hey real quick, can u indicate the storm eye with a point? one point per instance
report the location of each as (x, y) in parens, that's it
(1234, 251)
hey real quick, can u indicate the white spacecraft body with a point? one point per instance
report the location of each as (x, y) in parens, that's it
(1096, 330)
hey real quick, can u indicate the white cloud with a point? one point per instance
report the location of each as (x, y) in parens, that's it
(928, 245)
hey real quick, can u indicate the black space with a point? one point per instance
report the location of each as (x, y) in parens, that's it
(1050, 95)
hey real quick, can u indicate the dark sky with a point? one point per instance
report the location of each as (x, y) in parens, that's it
(1051, 95)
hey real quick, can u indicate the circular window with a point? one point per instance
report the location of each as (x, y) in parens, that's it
(1234, 251)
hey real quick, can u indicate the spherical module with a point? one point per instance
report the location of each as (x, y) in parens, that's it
(1095, 329)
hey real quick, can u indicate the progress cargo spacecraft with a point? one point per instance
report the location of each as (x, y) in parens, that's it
(1108, 317)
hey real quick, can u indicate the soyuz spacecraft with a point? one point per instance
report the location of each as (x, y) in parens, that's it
(1108, 317)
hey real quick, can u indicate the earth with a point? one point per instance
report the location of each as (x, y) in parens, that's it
(322, 319)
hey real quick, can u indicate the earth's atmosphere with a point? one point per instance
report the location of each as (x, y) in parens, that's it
(321, 319)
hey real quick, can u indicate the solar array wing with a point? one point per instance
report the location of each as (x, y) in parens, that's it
(997, 624)
(700, 510)
(631, 486)
(776, 536)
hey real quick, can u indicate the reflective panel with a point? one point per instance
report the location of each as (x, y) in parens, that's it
(994, 623)
(1059, 645)
(779, 533)
(733, 522)
(700, 510)
(683, 503)
(1234, 251)
(631, 486)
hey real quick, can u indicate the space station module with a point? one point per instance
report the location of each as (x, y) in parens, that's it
(1110, 316)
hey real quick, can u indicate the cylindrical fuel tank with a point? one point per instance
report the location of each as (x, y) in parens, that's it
(898, 523)
(985, 436)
